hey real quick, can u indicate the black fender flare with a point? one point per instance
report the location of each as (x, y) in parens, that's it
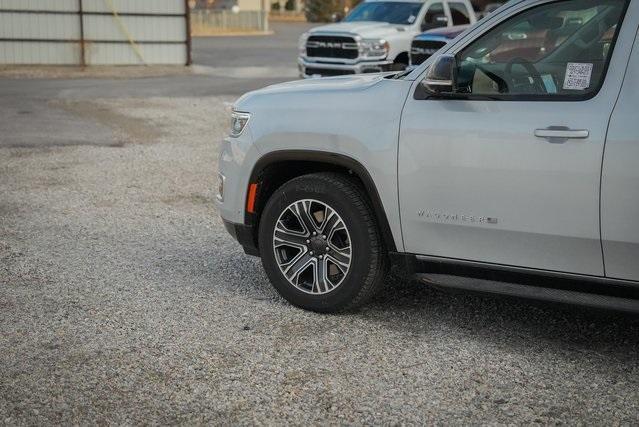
(336, 160)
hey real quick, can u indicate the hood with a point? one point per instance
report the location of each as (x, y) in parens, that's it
(349, 83)
(444, 32)
(364, 29)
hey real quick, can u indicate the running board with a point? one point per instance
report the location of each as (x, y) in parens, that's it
(532, 292)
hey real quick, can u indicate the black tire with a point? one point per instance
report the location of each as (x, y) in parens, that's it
(368, 259)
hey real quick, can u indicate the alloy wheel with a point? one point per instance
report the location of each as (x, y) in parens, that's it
(312, 246)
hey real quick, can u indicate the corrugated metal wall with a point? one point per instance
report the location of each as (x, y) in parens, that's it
(87, 31)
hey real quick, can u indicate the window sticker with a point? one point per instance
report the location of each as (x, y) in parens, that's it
(577, 76)
(411, 19)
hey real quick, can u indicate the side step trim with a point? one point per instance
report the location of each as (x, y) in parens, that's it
(537, 293)
(553, 286)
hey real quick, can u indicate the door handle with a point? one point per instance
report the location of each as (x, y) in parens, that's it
(562, 132)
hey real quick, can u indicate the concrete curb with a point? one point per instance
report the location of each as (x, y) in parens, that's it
(235, 34)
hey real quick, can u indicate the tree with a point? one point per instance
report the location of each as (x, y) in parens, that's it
(321, 10)
(354, 3)
(324, 10)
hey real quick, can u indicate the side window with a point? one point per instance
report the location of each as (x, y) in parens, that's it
(459, 12)
(435, 17)
(558, 49)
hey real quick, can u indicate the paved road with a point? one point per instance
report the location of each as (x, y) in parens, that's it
(222, 66)
(277, 50)
(123, 300)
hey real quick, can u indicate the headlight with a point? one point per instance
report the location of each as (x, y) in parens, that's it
(374, 48)
(238, 123)
(302, 44)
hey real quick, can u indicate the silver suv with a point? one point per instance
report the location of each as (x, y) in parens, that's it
(509, 158)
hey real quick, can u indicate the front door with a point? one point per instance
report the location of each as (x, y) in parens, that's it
(509, 171)
(620, 181)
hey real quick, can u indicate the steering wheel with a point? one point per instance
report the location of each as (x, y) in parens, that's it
(538, 82)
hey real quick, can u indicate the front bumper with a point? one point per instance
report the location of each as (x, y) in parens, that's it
(237, 158)
(309, 69)
(245, 236)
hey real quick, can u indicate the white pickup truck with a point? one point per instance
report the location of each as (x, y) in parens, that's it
(510, 156)
(376, 36)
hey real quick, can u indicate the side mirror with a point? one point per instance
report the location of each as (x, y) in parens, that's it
(441, 75)
(337, 17)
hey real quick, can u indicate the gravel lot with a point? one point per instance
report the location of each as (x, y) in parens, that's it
(123, 300)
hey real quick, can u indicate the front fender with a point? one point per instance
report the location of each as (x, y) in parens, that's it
(358, 124)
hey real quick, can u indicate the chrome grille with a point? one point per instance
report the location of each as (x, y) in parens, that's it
(421, 50)
(332, 47)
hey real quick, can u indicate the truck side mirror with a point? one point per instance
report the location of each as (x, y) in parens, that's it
(440, 78)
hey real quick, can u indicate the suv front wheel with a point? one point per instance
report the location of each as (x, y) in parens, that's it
(320, 244)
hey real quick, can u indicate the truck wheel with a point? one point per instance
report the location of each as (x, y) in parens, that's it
(320, 244)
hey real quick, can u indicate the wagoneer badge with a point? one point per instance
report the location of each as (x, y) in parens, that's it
(446, 217)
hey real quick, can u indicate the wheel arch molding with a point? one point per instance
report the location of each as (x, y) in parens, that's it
(275, 168)
(402, 57)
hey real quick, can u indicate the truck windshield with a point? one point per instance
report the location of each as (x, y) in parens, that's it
(393, 12)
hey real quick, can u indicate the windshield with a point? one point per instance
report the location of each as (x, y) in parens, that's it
(393, 12)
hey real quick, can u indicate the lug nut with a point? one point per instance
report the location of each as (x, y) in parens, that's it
(323, 236)
(311, 252)
(308, 241)
(328, 249)
(314, 233)
(321, 256)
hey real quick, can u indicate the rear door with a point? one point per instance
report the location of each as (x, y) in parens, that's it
(510, 173)
(620, 181)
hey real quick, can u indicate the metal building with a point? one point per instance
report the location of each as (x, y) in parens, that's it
(94, 32)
